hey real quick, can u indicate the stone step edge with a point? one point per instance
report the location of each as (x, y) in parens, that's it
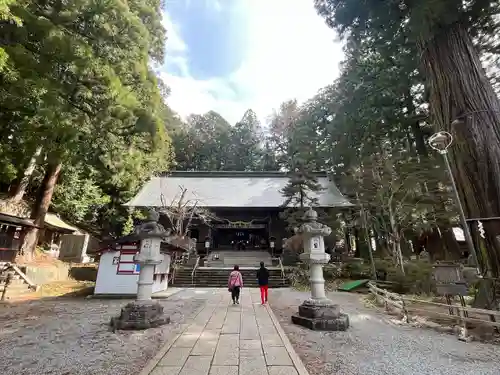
(223, 286)
(250, 268)
(177, 277)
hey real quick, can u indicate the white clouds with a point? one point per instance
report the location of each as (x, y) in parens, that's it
(175, 44)
(189, 95)
(196, 96)
(290, 54)
(176, 47)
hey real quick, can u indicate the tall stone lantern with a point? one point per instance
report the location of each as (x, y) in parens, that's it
(143, 313)
(318, 312)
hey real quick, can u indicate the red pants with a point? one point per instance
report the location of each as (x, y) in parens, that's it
(263, 293)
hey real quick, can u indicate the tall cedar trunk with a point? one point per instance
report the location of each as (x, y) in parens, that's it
(459, 88)
(17, 193)
(40, 209)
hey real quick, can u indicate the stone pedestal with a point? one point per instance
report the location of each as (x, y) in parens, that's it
(144, 313)
(318, 312)
(324, 316)
(140, 315)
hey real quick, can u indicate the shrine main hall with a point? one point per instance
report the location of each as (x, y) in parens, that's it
(244, 207)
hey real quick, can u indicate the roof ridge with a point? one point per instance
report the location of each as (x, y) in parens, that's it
(283, 174)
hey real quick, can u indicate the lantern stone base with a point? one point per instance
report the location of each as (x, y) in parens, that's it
(139, 316)
(321, 316)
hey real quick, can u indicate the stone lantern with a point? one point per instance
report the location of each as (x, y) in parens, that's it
(317, 312)
(143, 313)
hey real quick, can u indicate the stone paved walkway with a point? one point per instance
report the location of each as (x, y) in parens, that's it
(227, 339)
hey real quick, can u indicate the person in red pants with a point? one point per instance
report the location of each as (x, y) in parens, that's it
(263, 279)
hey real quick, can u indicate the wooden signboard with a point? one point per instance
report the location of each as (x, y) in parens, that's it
(449, 279)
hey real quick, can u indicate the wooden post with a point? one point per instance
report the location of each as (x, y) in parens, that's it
(448, 301)
(406, 318)
(6, 285)
(464, 334)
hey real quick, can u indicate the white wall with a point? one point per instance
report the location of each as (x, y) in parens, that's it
(109, 282)
(162, 269)
(160, 286)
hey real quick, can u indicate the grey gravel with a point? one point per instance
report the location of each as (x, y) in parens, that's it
(374, 345)
(71, 336)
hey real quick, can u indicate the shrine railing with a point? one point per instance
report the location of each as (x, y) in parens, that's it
(406, 306)
(194, 269)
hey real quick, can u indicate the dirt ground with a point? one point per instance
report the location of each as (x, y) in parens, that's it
(64, 336)
(376, 344)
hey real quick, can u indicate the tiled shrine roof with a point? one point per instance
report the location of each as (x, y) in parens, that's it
(229, 189)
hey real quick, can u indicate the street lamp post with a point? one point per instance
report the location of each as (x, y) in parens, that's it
(440, 142)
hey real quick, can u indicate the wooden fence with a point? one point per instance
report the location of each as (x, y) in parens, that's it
(464, 316)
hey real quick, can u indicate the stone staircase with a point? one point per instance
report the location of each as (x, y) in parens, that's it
(243, 258)
(17, 289)
(218, 277)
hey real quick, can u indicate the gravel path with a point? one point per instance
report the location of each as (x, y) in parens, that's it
(374, 345)
(71, 337)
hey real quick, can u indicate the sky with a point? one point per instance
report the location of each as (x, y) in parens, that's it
(233, 55)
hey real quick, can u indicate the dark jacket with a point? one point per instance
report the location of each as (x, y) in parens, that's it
(263, 276)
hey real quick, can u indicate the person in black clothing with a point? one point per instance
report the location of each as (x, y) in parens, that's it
(263, 278)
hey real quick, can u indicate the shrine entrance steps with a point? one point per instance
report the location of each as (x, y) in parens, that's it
(243, 258)
(218, 277)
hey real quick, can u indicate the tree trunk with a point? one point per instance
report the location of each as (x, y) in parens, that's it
(347, 239)
(396, 238)
(357, 244)
(382, 246)
(459, 89)
(399, 251)
(40, 209)
(410, 138)
(419, 138)
(434, 245)
(453, 251)
(418, 135)
(17, 193)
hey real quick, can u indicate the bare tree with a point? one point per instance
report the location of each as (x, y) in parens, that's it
(182, 211)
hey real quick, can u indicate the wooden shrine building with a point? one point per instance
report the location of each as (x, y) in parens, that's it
(244, 206)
